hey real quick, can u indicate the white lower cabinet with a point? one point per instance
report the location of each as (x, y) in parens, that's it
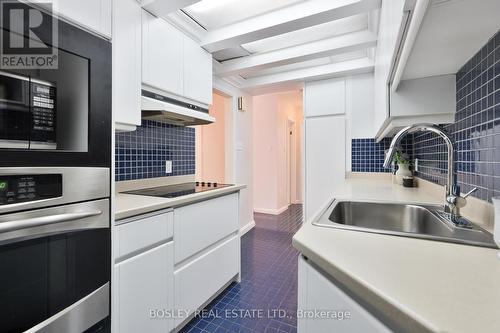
(197, 281)
(149, 285)
(317, 293)
(145, 284)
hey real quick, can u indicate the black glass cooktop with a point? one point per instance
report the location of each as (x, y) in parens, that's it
(173, 191)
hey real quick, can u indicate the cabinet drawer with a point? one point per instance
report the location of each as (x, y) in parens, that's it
(143, 233)
(199, 280)
(144, 283)
(200, 225)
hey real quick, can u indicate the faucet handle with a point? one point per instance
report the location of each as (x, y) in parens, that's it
(470, 192)
(455, 190)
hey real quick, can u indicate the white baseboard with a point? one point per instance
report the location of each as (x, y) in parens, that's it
(247, 227)
(297, 202)
(271, 211)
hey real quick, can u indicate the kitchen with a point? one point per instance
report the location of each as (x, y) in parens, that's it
(250, 166)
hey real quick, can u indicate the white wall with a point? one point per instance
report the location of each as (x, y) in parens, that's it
(265, 153)
(274, 188)
(241, 151)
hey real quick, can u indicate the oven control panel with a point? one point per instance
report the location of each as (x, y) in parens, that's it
(24, 188)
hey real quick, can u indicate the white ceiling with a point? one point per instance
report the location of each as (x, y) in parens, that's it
(213, 14)
(273, 43)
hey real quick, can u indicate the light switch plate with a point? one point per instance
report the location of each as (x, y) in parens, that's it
(168, 166)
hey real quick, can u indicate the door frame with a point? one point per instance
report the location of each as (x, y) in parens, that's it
(291, 158)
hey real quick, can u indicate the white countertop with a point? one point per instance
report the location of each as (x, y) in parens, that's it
(421, 285)
(128, 205)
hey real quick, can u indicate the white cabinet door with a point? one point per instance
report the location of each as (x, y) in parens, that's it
(145, 283)
(162, 55)
(197, 72)
(316, 292)
(325, 160)
(325, 97)
(391, 22)
(93, 14)
(127, 43)
(199, 225)
(198, 281)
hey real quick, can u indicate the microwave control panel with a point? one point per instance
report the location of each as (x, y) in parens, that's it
(43, 97)
(24, 188)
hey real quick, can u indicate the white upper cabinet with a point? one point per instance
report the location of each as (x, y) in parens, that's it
(173, 63)
(92, 14)
(325, 97)
(162, 52)
(197, 72)
(392, 22)
(127, 39)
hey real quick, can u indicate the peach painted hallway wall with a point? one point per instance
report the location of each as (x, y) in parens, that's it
(210, 145)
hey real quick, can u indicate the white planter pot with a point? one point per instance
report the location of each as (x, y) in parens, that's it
(403, 171)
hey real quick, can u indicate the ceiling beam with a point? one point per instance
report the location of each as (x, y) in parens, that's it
(324, 48)
(288, 19)
(165, 7)
(345, 68)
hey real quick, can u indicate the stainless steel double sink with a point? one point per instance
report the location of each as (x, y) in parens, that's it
(418, 221)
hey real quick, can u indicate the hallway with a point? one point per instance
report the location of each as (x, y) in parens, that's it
(266, 299)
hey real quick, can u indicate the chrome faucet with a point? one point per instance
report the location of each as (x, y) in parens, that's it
(454, 201)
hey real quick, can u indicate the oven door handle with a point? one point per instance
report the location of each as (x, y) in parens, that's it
(45, 220)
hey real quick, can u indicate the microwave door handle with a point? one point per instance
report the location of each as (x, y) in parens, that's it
(45, 220)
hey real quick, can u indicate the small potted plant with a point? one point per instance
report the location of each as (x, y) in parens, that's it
(403, 163)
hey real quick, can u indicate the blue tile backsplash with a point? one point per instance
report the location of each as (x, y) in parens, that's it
(476, 129)
(142, 154)
(368, 156)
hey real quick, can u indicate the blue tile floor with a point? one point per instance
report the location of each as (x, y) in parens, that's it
(266, 299)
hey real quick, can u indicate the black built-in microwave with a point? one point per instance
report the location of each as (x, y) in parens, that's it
(27, 112)
(59, 117)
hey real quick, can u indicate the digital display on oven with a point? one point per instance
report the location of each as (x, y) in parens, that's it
(24, 188)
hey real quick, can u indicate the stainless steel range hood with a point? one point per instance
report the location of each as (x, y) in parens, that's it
(167, 110)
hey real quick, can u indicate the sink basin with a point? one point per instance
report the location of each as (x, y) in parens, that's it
(428, 222)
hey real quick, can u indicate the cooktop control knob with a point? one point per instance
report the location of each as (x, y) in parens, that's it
(209, 184)
(202, 183)
(215, 184)
(197, 183)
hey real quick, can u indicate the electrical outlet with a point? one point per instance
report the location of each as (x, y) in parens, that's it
(168, 166)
